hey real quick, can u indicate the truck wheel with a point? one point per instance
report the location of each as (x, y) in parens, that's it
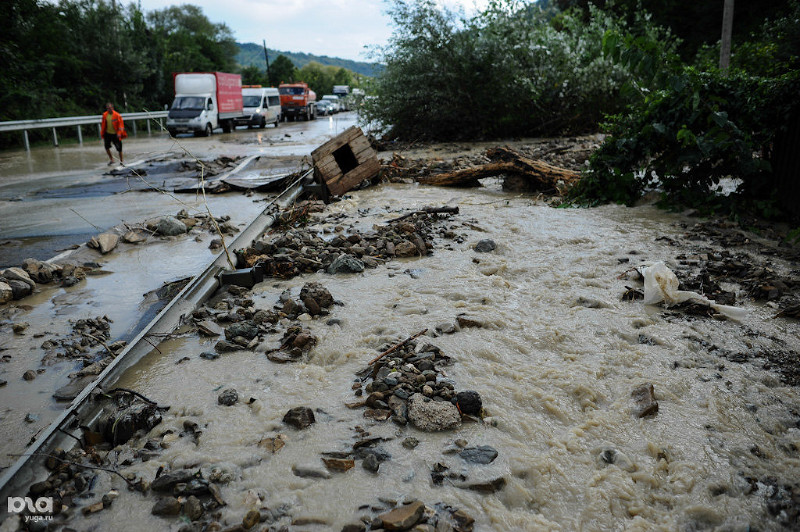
(263, 123)
(227, 126)
(278, 121)
(172, 132)
(208, 131)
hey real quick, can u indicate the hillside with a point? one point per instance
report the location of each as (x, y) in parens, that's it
(251, 54)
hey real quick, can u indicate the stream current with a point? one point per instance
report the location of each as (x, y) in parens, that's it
(555, 362)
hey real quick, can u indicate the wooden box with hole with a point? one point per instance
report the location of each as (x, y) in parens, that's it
(345, 161)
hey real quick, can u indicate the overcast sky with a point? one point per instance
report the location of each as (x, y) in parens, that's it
(337, 28)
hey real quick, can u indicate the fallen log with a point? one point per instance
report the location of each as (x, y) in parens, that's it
(539, 175)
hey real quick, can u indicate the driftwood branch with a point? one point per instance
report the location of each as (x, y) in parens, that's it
(505, 161)
(397, 346)
(427, 210)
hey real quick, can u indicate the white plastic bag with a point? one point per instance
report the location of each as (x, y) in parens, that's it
(661, 284)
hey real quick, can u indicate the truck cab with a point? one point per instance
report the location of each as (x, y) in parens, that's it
(262, 106)
(297, 101)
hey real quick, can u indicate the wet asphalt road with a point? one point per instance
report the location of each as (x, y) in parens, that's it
(55, 197)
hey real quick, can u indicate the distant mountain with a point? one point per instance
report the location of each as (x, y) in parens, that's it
(251, 54)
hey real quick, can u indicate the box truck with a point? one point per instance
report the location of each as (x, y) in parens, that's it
(205, 101)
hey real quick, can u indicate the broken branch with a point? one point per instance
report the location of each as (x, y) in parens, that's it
(397, 346)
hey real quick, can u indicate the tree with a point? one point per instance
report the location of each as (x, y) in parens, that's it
(253, 76)
(281, 70)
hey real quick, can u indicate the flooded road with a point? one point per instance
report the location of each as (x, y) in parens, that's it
(54, 198)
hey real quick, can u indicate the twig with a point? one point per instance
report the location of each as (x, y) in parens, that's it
(76, 464)
(71, 436)
(397, 346)
(84, 219)
(110, 352)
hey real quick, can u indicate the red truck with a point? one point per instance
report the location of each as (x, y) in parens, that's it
(205, 101)
(298, 101)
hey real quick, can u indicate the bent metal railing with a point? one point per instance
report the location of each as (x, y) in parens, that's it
(77, 122)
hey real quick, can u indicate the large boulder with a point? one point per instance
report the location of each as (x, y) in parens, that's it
(18, 274)
(346, 264)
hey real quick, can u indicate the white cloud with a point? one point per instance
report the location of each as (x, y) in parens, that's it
(337, 28)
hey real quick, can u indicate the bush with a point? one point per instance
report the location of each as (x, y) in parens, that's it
(510, 71)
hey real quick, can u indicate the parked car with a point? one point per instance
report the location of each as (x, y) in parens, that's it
(324, 108)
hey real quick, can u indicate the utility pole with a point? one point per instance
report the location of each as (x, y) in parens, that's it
(266, 56)
(727, 30)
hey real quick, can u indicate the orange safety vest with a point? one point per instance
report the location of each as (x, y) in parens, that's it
(116, 120)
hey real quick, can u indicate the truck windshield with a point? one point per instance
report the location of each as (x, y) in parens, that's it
(251, 101)
(188, 102)
(291, 90)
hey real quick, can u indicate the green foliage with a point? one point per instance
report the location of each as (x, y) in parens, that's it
(513, 70)
(690, 129)
(68, 57)
(281, 70)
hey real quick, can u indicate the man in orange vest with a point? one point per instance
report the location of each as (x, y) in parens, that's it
(112, 130)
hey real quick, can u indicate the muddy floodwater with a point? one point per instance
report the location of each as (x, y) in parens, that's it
(555, 356)
(54, 199)
(536, 325)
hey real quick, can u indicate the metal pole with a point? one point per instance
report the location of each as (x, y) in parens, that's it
(148, 126)
(266, 56)
(80, 136)
(134, 127)
(55, 138)
(727, 30)
(25, 136)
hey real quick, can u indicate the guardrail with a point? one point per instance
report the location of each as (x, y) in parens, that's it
(76, 121)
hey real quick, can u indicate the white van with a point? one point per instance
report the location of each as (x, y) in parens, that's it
(336, 103)
(262, 106)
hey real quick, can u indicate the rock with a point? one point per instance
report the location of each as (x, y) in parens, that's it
(3, 383)
(339, 465)
(282, 356)
(490, 486)
(432, 416)
(251, 519)
(17, 274)
(410, 442)
(354, 527)
(618, 458)
(469, 403)
(29, 375)
(209, 355)
(482, 454)
(244, 329)
(134, 237)
(224, 346)
(406, 249)
(645, 401)
(273, 445)
(371, 463)
(305, 471)
(166, 506)
(104, 243)
(19, 289)
(192, 508)
(299, 417)
(228, 397)
(462, 521)
(485, 246)
(404, 517)
(39, 271)
(20, 328)
(167, 481)
(208, 328)
(170, 226)
(465, 321)
(345, 264)
(446, 328)
(318, 293)
(6, 293)
(70, 391)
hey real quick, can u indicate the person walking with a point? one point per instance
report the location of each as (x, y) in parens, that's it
(112, 129)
